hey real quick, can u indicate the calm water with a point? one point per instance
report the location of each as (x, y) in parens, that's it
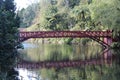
(74, 62)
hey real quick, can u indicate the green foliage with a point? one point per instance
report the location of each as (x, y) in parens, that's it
(78, 15)
(9, 22)
(106, 16)
(106, 13)
(27, 15)
(72, 3)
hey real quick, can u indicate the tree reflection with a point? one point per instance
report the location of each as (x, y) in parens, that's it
(92, 72)
(109, 70)
(49, 52)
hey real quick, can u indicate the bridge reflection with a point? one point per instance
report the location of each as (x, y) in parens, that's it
(106, 57)
(62, 64)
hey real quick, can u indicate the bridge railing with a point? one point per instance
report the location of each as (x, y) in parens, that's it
(59, 34)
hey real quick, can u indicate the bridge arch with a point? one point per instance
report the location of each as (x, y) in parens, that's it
(95, 35)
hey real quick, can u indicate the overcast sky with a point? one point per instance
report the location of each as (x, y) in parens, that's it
(24, 3)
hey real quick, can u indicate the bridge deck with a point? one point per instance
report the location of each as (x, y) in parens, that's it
(59, 34)
(95, 35)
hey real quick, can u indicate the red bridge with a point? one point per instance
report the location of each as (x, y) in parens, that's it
(102, 37)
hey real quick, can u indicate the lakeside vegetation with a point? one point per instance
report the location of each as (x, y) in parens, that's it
(72, 15)
(54, 15)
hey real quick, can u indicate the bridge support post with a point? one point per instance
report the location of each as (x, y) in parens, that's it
(107, 40)
(108, 57)
(107, 54)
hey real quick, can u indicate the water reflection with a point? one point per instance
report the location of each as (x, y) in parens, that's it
(73, 62)
(45, 52)
(25, 74)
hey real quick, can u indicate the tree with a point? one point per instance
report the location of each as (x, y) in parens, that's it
(9, 22)
(78, 15)
(106, 15)
(27, 15)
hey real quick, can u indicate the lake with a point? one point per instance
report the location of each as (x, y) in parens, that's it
(67, 62)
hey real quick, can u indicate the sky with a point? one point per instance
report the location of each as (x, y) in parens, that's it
(23, 3)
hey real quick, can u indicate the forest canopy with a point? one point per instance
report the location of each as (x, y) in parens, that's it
(73, 15)
(69, 14)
